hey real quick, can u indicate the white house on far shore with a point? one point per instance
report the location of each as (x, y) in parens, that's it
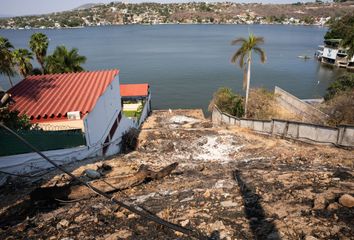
(89, 102)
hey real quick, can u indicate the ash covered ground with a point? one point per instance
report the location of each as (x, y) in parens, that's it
(229, 180)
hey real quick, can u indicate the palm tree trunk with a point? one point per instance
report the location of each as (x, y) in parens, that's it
(248, 82)
(8, 76)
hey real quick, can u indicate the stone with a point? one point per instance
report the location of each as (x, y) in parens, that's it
(119, 215)
(122, 234)
(310, 238)
(319, 202)
(184, 223)
(131, 216)
(228, 204)
(80, 218)
(218, 225)
(93, 174)
(207, 194)
(187, 199)
(347, 200)
(64, 223)
(333, 206)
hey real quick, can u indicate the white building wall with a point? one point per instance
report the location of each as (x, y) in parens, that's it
(330, 53)
(146, 110)
(100, 120)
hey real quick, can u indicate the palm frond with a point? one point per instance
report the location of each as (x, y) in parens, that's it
(236, 55)
(261, 53)
(259, 40)
(238, 41)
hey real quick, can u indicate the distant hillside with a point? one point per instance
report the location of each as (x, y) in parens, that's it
(117, 13)
(86, 6)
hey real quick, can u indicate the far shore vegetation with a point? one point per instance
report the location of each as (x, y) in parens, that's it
(119, 13)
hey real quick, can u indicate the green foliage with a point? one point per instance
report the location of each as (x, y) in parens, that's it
(228, 102)
(343, 29)
(22, 59)
(39, 45)
(64, 61)
(343, 83)
(6, 58)
(13, 120)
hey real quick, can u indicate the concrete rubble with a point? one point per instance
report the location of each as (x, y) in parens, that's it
(229, 180)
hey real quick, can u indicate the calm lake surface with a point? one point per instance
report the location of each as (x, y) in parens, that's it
(185, 64)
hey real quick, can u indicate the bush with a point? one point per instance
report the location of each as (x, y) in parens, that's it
(261, 104)
(227, 102)
(340, 108)
(130, 140)
(343, 83)
(13, 120)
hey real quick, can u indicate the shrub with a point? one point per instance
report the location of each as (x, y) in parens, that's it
(342, 83)
(261, 104)
(340, 108)
(130, 140)
(13, 120)
(227, 102)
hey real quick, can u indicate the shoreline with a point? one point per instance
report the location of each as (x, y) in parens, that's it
(157, 24)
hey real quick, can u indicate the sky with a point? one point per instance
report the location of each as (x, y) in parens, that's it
(28, 7)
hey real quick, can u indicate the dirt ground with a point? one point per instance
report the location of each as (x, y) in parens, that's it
(229, 180)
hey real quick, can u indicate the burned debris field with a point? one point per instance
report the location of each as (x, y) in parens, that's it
(222, 182)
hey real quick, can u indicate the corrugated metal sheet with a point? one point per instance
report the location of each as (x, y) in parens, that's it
(50, 97)
(134, 90)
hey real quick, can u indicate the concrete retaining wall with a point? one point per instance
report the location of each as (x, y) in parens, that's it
(297, 106)
(313, 133)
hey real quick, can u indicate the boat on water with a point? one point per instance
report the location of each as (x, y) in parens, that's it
(333, 54)
(305, 57)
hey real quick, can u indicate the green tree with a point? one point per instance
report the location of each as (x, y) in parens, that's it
(22, 59)
(62, 61)
(39, 44)
(227, 102)
(6, 59)
(343, 29)
(244, 56)
(13, 120)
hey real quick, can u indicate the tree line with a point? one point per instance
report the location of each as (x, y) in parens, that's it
(19, 60)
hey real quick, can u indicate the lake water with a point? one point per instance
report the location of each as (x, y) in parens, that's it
(185, 64)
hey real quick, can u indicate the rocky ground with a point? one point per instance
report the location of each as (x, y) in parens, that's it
(229, 180)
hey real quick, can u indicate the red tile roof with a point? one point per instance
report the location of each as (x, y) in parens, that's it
(50, 97)
(134, 90)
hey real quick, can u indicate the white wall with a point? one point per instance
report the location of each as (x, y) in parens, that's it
(100, 120)
(330, 53)
(146, 110)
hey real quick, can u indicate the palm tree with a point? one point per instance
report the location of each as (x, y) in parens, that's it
(22, 58)
(39, 44)
(244, 55)
(6, 59)
(62, 61)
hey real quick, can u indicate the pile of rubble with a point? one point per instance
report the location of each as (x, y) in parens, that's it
(229, 184)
